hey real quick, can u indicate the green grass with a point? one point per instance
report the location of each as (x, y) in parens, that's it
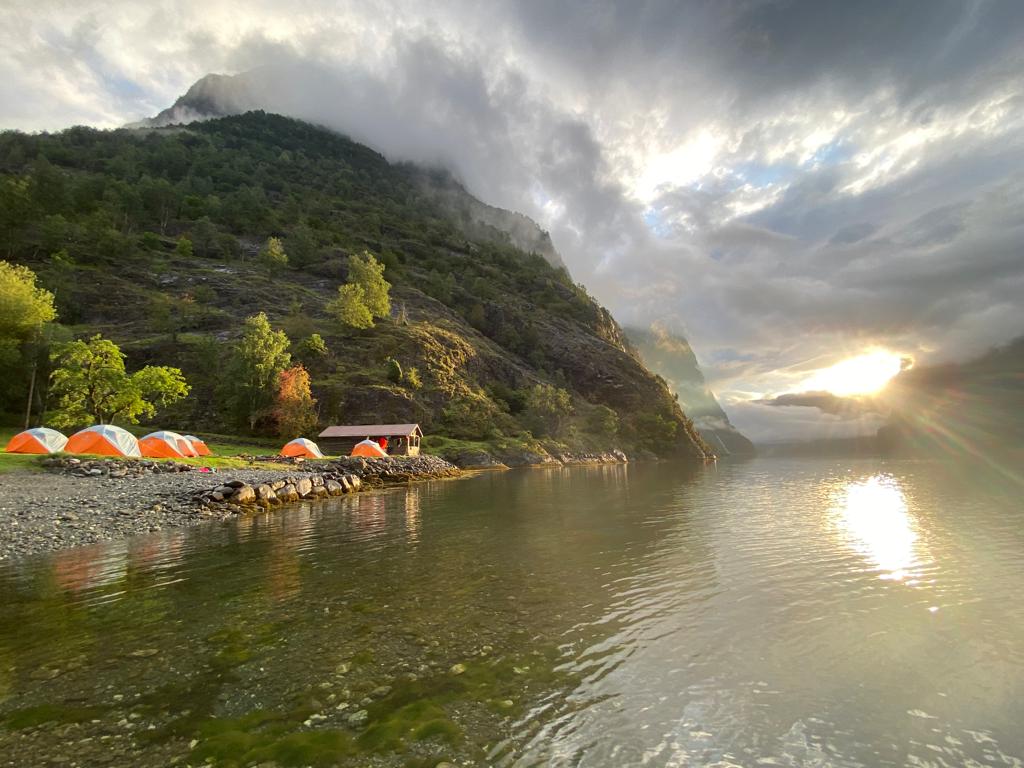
(15, 462)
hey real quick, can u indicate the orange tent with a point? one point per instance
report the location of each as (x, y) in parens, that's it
(104, 439)
(185, 445)
(368, 448)
(300, 446)
(200, 447)
(165, 445)
(38, 440)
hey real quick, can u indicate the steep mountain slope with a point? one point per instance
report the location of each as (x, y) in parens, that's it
(671, 357)
(149, 237)
(265, 88)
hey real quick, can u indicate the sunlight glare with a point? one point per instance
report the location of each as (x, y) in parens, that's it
(862, 375)
(873, 515)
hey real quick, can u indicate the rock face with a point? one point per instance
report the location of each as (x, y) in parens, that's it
(670, 356)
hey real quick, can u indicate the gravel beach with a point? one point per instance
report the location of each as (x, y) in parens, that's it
(45, 511)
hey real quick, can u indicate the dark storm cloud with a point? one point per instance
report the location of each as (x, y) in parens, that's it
(826, 402)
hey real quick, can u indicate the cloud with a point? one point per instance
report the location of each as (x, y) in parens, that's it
(787, 183)
(826, 402)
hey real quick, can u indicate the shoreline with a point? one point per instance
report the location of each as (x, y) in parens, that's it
(79, 502)
(76, 502)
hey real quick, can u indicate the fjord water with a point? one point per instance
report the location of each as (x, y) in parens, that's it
(771, 612)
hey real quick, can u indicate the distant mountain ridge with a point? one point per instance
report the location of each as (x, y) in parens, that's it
(671, 356)
(215, 95)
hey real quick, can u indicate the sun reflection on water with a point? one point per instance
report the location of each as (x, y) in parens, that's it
(873, 516)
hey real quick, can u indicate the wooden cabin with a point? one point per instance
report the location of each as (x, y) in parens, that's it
(403, 439)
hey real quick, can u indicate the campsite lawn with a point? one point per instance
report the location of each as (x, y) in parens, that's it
(15, 462)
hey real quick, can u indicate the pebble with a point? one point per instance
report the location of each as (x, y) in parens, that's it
(457, 669)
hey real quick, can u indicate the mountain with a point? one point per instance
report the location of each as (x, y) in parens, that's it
(975, 408)
(270, 89)
(671, 357)
(209, 97)
(151, 236)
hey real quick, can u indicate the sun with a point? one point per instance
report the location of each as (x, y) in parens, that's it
(864, 374)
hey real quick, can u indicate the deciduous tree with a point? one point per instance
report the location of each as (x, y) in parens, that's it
(272, 255)
(261, 354)
(294, 405)
(368, 273)
(90, 385)
(349, 308)
(548, 409)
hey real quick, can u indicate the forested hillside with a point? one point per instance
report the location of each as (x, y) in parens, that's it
(159, 240)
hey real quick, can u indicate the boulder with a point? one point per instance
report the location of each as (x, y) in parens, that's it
(288, 493)
(245, 494)
(266, 493)
(333, 487)
(304, 487)
(316, 480)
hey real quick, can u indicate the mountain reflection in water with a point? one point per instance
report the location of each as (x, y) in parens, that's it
(773, 612)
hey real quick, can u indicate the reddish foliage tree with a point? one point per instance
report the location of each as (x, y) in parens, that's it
(294, 405)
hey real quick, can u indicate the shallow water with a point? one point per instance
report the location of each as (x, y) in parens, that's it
(773, 612)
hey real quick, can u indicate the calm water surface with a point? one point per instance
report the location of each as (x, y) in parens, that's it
(774, 612)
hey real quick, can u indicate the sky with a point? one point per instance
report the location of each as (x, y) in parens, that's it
(787, 184)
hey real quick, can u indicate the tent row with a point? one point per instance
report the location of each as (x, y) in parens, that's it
(108, 440)
(307, 449)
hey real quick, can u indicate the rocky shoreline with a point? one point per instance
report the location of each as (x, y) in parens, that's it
(76, 502)
(479, 459)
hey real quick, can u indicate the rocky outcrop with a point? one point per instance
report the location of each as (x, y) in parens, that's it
(324, 480)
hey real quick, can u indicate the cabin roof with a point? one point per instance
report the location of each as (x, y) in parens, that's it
(366, 430)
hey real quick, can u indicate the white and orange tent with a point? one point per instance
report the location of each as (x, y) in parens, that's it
(368, 448)
(104, 439)
(300, 446)
(165, 445)
(37, 440)
(198, 445)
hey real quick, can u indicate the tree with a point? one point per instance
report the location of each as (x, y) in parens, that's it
(91, 385)
(24, 306)
(350, 307)
(204, 236)
(272, 255)
(412, 377)
(547, 410)
(302, 245)
(603, 422)
(312, 350)
(24, 309)
(184, 247)
(368, 273)
(261, 354)
(294, 405)
(394, 370)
